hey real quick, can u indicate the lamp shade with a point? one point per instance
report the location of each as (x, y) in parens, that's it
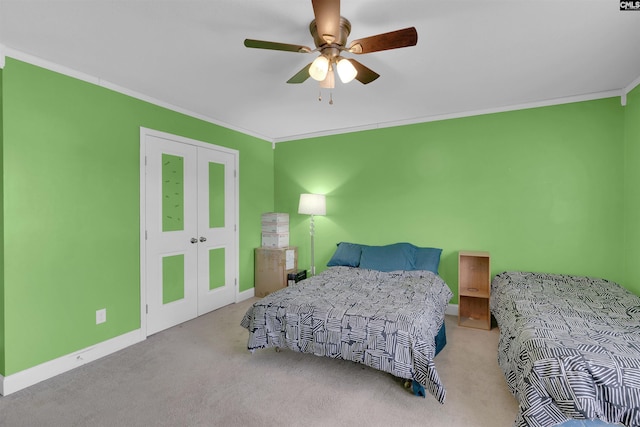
(346, 70)
(319, 68)
(312, 204)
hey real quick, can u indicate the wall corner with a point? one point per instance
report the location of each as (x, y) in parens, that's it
(631, 86)
(2, 291)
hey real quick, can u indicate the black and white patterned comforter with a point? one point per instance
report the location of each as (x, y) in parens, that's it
(569, 347)
(387, 321)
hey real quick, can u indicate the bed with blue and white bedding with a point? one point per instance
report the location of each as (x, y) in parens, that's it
(569, 348)
(389, 320)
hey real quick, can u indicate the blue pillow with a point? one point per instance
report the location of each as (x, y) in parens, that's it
(399, 256)
(347, 254)
(428, 259)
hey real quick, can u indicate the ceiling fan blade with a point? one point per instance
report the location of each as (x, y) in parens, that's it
(262, 44)
(392, 40)
(327, 13)
(301, 76)
(365, 75)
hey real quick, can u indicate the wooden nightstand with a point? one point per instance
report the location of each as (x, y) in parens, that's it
(474, 289)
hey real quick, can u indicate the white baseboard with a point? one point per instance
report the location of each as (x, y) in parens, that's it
(452, 310)
(245, 295)
(28, 377)
(44, 371)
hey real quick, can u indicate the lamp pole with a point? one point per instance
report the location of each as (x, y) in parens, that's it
(312, 232)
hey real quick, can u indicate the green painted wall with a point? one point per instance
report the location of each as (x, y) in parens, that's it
(538, 188)
(71, 218)
(632, 189)
(542, 189)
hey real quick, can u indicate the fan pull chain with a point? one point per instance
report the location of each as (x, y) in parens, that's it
(330, 97)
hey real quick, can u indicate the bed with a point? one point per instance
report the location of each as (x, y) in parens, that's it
(379, 306)
(569, 348)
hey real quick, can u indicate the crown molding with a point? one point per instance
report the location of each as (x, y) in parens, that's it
(21, 56)
(462, 114)
(70, 72)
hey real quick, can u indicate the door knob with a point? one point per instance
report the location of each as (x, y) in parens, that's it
(194, 240)
(203, 239)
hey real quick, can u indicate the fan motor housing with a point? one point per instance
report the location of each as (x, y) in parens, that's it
(340, 39)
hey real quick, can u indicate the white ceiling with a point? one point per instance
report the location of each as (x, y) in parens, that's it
(472, 56)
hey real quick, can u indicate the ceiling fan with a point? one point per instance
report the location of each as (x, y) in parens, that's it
(330, 32)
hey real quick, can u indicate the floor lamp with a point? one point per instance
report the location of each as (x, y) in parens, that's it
(312, 204)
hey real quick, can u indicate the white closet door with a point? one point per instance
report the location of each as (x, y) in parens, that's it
(190, 243)
(216, 229)
(172, 230)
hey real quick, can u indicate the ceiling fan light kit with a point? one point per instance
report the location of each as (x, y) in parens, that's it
(321, 66)
(330, 32)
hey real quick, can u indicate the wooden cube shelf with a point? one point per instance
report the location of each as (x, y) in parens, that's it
(474, 289)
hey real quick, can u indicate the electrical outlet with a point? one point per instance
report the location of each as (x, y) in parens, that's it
(101, 316)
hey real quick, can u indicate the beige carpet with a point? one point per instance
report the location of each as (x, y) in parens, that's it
(200, 374)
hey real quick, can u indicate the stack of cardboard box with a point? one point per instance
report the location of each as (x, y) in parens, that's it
(275, 230)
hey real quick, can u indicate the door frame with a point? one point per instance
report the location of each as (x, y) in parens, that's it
(144, 132)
